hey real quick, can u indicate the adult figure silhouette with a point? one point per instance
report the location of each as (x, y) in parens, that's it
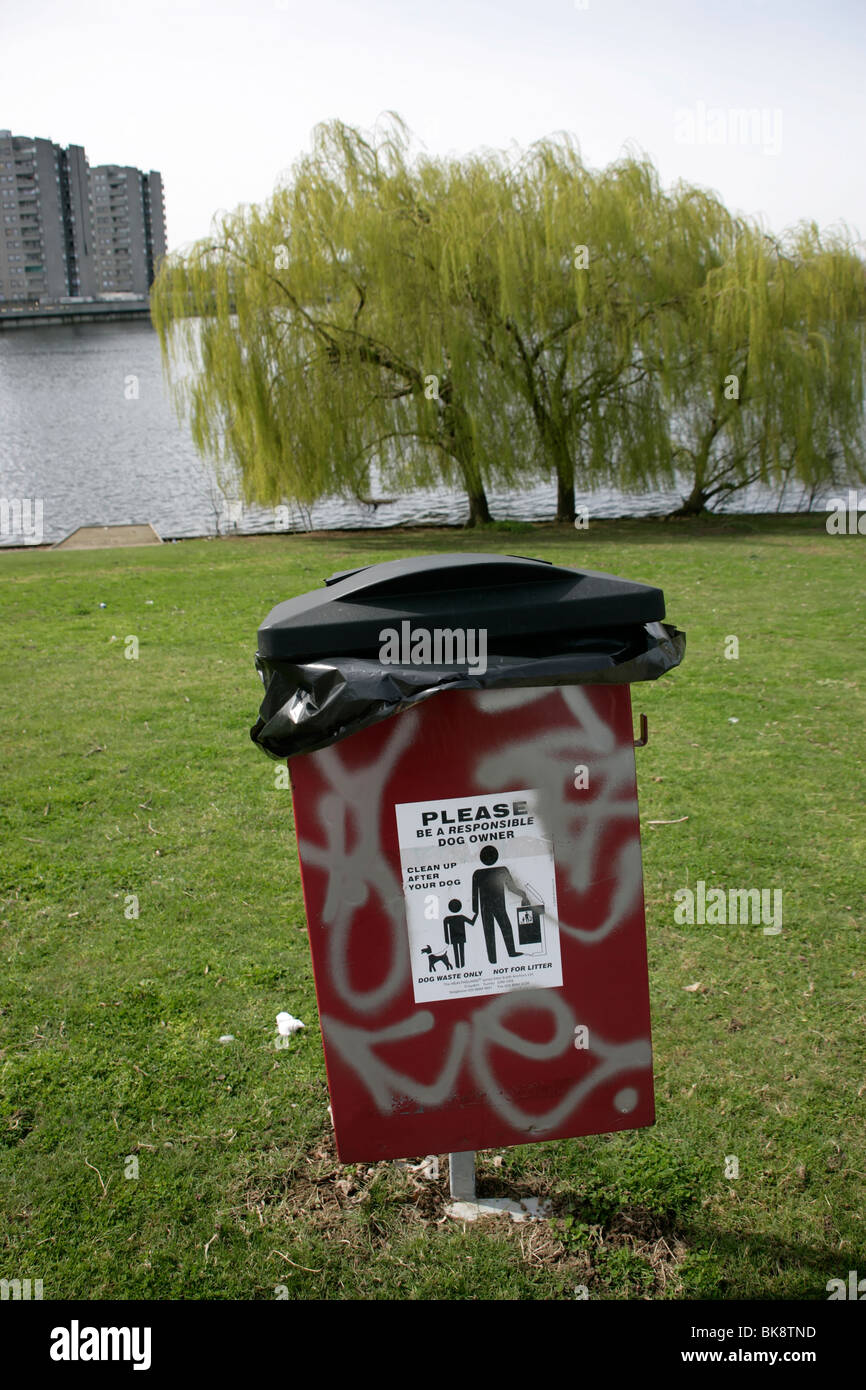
(488, 898)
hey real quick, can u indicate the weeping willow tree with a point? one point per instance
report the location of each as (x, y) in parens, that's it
(458, 322)
(639, 335)
(761, 364)
(495, 320)
(560, 270)
(313, 338)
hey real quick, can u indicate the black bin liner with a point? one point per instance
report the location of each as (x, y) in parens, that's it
(319, 654)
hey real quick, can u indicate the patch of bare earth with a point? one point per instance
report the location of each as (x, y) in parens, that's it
(340, 1201)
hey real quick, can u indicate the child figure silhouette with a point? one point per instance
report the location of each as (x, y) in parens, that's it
(455, 930)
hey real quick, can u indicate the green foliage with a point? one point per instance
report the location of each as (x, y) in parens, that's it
(701, 1275)
(498, 319)
(637, 1173)
(761, 364)
(577, 1234)
(321, 335)
(628, 1275)
(558, 289)
(661, 1179)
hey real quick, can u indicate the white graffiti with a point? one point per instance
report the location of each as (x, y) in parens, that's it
(546, 761)
(357, 1048)
(489, 1030)
(355, 798)
(472, 1042)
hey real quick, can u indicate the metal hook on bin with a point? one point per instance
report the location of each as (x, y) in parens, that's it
(644, 733)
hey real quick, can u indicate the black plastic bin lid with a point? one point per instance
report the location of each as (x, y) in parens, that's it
(508, 595)
(321, 659)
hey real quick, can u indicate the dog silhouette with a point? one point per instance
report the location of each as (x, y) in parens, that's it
(432, 960)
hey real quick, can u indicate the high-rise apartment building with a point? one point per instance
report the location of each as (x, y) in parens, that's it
(129, 227)
(77, 222)
(68, 230)
(32, 242)
(154, 221)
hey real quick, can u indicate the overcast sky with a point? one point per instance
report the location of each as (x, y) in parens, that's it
(221, 97)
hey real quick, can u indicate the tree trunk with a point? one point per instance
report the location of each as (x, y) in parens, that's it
(479, 512)
(694, 504)
(565, 493)
(461, 448)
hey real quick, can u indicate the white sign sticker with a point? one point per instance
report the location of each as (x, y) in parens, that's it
(480, 889)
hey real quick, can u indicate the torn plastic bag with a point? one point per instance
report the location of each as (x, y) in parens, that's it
(503, 622)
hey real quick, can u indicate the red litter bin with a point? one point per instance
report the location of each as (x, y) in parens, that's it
(459, 737)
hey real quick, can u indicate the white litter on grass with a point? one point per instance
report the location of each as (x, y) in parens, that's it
(428, 1167)
(287, 1025)
(530, 1209)
(227, 1037)
(732, 720)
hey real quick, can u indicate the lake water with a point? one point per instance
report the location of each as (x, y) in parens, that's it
(87, 426)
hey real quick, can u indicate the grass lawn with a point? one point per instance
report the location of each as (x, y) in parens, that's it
(137, 777)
